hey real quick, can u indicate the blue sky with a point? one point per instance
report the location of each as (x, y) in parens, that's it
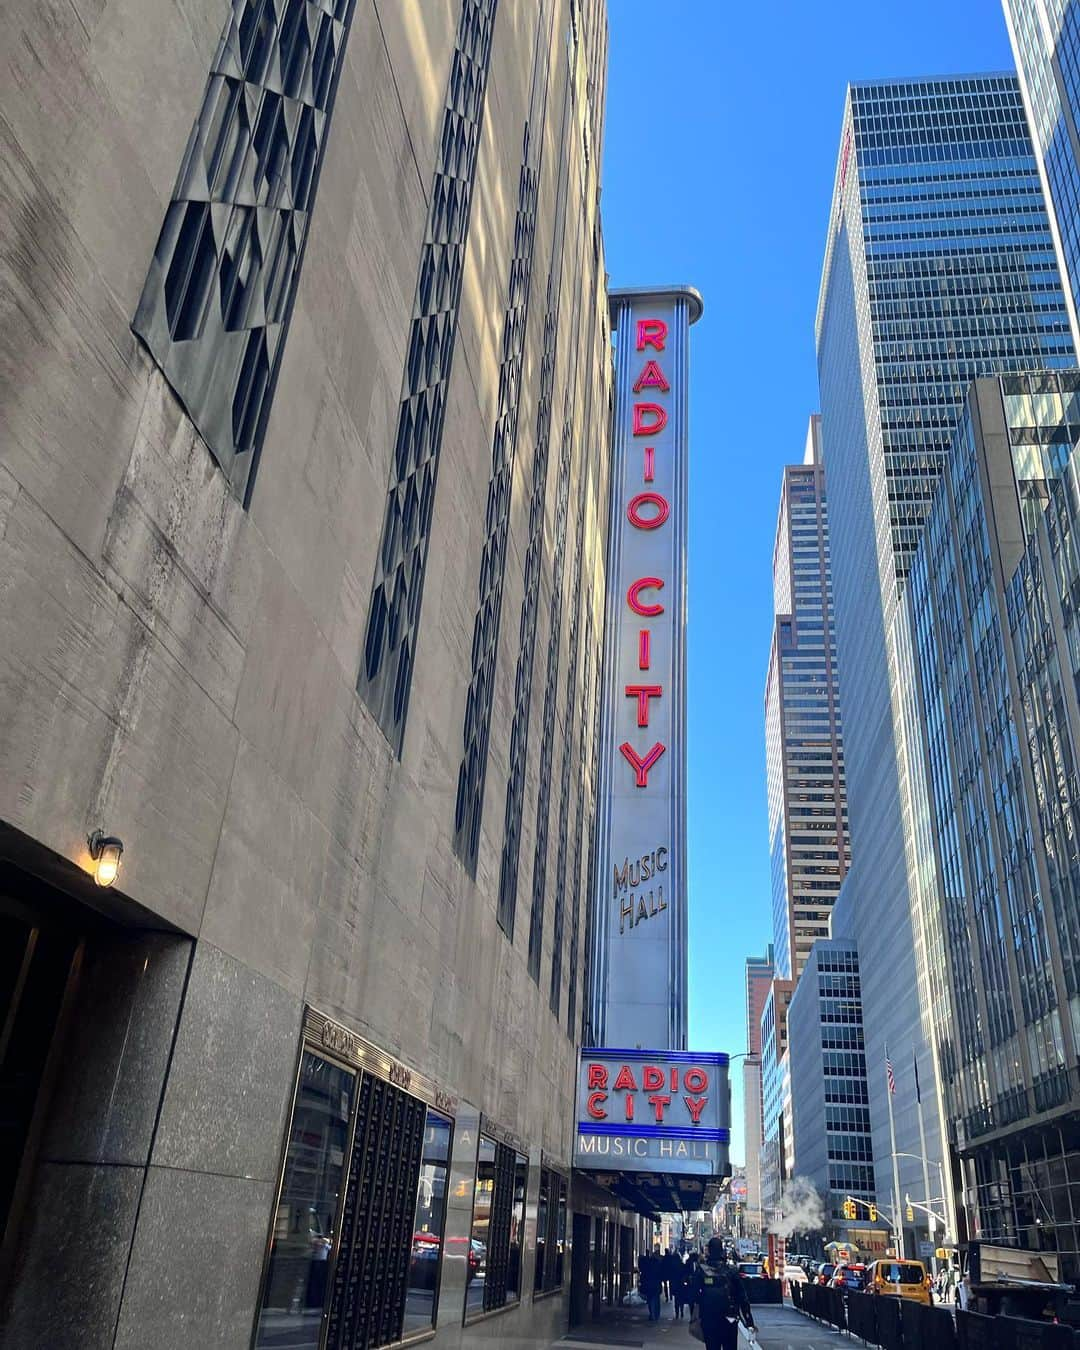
(722, 130)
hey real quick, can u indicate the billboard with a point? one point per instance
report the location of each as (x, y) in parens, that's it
(639, 976)
(648, 1111)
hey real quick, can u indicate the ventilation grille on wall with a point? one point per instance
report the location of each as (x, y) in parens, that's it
(394, 615)
(216, 303)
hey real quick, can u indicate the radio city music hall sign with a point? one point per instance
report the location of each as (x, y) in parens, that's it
(637, 1109)
(640, 989)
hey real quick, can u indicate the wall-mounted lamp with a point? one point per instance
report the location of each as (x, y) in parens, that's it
(106, 851)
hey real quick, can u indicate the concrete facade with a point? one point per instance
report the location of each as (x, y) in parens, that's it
(179, 668)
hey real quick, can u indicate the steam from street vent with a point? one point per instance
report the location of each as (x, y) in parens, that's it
(801, 1210)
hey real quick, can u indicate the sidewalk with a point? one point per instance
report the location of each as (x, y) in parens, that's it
(778, 1329)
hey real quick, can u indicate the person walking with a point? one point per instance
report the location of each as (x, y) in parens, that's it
(649, 1276)
(670, 1273)
(721, 1300)
(680, 1288)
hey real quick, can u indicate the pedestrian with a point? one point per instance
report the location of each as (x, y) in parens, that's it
(963, 1293)
(670, 1273)
(721, 1300)
(680, 1288)
(649, 1274)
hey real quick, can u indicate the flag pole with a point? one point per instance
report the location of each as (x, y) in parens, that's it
(898, 1225)
(925, 1164)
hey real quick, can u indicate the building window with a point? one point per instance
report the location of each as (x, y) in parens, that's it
(498, 1227)
(394, 614)
(356, 1249)
(306, 1222)
(550, 1232)
(216, 303)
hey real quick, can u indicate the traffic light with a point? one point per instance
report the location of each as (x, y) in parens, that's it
(910, 1214)
(873, 1213)
(849, 1209)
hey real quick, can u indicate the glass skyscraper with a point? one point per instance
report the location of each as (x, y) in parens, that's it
(1045, 37)
(939, 268)
(991, 594)
(808, 837)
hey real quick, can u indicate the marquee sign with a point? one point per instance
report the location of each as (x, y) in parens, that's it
(638, 994)
(645, 1111)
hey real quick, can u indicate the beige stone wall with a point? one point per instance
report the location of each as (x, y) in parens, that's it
(180, 670)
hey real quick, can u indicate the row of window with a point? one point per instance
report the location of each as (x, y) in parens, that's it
(358, 1245)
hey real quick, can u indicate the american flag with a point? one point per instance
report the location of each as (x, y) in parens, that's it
(889, 1073)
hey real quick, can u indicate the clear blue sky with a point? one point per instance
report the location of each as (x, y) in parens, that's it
(723, 123)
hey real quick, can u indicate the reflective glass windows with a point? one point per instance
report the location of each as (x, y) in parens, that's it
(428, 1226)
(305, 1225)
(498, 1228)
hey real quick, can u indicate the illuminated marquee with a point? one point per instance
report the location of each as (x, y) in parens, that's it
(639, 990)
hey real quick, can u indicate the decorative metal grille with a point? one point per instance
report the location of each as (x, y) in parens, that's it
(367, 1307)
(215, 307)
(498, 1247)
(584, 774)
(472, 774)
(571, 702)
(394, 613)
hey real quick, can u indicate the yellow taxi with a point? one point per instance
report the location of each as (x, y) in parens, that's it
(904, 1279)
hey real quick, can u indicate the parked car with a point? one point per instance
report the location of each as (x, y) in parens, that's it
(825, 1272)
(904, 1279)
(850, 1277)
(750, 1270)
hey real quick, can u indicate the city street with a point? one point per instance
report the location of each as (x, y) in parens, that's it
(778, 1329)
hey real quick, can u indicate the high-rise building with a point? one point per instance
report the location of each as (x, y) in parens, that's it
(830, 1097)
(777, 1147)
(939, 268)
(302, 535)
(808, 839)
(991, 596)
(1045, 36)
(759, 978)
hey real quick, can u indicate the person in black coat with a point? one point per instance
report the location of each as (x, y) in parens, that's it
(671, 1269)
(650, 1273)
(721, 1300)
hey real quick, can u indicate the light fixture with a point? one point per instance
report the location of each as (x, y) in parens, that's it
(105, 850)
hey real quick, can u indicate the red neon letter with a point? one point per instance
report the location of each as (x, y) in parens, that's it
(650, 463)
(654, 410)
(659, 1103)
(634, 505)
(641, 767)
(625, 1080)
(651, 377)
(643, 650)
(597, 1076)
(629, 1106)
(695, 1080)
(695, 1105)
(651, 333)
(593, 1105)
(644, 692)
(644, 584)
(652, 1078)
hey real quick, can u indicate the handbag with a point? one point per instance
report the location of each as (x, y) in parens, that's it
(695, 1329)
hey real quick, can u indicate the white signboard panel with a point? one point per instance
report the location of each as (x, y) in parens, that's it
(639, 976)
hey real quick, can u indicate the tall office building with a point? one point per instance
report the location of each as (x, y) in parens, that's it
(939, 268)
(808, 836)
(302, 535)
(777, 1145)
(759, 977)
(830, 1098)
(1045, 36)
(991, 597)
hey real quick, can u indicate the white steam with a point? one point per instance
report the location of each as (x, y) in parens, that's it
(801, 1210)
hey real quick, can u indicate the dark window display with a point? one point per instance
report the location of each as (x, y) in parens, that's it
(356, 1249)
(550, 1232)
(294, 1295)
(428, 1225)
(494, 1275)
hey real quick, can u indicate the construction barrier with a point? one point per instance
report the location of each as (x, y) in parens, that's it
(902, 1324)
(761, 1290)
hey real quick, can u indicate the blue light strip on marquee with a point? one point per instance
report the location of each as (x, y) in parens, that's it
(656, 1132)
(651, 1056)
